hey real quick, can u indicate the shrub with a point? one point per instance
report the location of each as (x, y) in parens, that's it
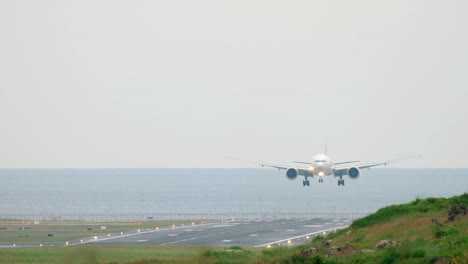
(320, 260)
(391, 256)
(235, 248)
(418, 253)
(439, 232)
(453, 231)
(459, 199)
(415, 202)
(423, 210)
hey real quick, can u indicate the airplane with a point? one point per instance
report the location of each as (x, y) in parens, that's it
(322, 166)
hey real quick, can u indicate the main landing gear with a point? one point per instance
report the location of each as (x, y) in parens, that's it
(305, 182)
(340, 182)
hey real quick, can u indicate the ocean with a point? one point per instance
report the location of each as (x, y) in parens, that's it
(129, 193)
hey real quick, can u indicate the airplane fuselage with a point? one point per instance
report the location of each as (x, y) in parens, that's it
(321, 166)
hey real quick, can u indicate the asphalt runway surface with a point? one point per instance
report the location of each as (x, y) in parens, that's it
(251, 233)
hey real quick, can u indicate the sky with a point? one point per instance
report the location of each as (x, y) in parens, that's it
(104, 84)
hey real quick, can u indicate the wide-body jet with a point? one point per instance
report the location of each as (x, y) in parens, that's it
(322, 166)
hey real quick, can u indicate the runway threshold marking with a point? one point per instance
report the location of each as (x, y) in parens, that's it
(292, 238)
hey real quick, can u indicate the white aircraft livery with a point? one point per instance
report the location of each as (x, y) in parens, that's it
(322, 166)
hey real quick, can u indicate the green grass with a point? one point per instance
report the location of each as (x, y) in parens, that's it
(232, 255)
(417, 207)
(68, 230)
(103, 254)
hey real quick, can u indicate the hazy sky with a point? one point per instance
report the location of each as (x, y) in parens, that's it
(187, 83)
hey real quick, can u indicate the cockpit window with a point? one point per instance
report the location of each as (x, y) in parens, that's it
(319, 161)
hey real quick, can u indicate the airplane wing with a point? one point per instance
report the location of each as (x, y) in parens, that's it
(346, 162)
(303, 162)
(301, 171)
(343, 170)
(279, 167)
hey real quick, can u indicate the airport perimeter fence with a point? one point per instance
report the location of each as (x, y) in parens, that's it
(177, 216)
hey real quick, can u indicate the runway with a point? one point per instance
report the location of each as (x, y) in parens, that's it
(250, 233)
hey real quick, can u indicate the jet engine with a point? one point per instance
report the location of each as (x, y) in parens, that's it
(354, 173)
(291, 173)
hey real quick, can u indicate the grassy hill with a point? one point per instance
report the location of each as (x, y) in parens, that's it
(419, 231)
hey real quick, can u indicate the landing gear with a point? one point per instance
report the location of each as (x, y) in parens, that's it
(305, 182)
(340, 182)
(320, 180)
